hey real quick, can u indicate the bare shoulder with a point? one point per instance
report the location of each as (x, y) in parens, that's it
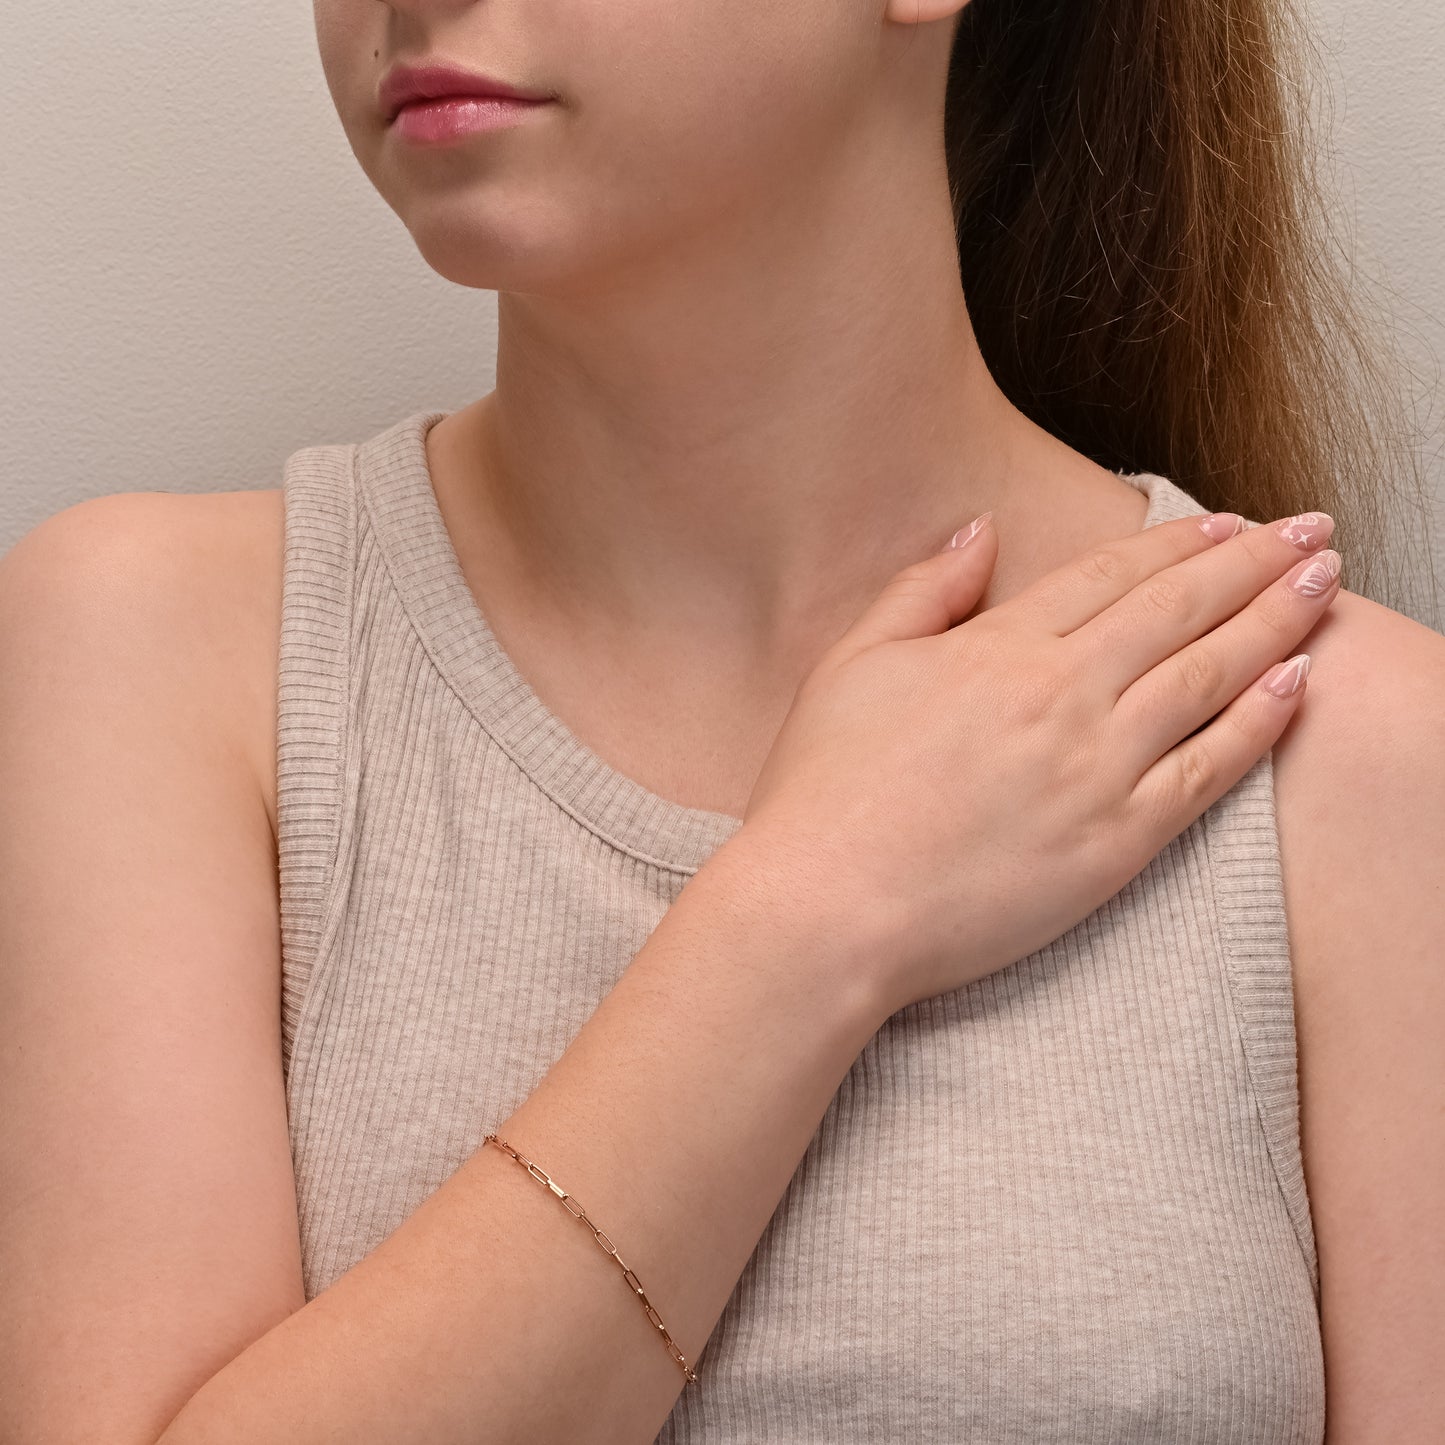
(1360, 790)
(1354, 772)
(202, 568)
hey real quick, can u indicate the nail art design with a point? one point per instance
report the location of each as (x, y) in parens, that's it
(1288, 677)
(1308, 530)
(1221, 526)
(1313, 578)
(967, 534)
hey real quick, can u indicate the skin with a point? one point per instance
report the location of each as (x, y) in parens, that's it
(669, 298)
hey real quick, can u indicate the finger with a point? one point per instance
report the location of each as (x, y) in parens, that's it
(1192, 777)
(932, 595)
(1190, 687)
(1165, 612)
(1065, 599)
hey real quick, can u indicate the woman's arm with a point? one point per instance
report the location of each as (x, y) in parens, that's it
(151, 1269)
(1361, 788)
(147, 1206)
(675, 1118)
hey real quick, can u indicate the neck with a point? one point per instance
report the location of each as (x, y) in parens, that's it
(740, 439)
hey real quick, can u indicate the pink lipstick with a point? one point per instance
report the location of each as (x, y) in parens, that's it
(436, 103)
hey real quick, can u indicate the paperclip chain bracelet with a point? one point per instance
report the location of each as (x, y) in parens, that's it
(575, 1210)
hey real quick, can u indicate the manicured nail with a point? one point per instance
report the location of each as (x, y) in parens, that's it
(1288, 677)
(964, 535)
(1315, 575)
(1306, 531)
(1221, 526)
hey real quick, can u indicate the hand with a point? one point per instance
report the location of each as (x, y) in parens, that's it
(953, 794)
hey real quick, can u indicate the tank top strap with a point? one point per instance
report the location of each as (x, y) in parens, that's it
(1243, 850)
(319, 495)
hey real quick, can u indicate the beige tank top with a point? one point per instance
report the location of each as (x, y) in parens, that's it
(1062, 1204)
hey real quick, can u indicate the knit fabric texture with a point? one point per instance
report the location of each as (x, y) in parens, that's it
(1064, 1203)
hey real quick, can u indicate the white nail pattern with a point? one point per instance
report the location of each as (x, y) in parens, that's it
(1288, 682)
(1317, 576)
(967, 534)
(1308, 529)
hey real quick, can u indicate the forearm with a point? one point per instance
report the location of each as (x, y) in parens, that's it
(675, 1118)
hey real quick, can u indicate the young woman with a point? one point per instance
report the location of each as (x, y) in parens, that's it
(607, 820)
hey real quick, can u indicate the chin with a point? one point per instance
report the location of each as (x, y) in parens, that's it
(496, 245)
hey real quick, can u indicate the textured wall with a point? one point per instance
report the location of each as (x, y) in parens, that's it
(197, 278)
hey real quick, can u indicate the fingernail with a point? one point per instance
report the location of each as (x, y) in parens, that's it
(1314, 576)
(1221, 526)
(1288, 677)
(1306, 531)
(967, 534)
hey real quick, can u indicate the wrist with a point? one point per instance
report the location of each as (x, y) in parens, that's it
(782, 918)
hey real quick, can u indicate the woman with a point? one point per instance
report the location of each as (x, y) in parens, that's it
(954, 1097)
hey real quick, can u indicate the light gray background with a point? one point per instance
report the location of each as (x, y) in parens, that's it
(196, 279)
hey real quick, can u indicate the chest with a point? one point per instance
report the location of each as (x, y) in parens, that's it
(1042, 1207)
(703, 745)
(693, 731)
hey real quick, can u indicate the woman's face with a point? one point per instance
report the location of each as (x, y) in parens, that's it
(677, 121)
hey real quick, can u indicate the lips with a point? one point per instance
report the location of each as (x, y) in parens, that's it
(407, 84)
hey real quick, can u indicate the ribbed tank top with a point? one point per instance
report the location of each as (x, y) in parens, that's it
(1063, 1203)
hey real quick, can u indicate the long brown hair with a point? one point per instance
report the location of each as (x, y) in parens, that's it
(1148, 258)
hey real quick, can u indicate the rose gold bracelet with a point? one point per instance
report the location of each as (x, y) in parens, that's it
(575, 1210)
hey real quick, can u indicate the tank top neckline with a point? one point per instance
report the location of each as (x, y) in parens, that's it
(394, 485)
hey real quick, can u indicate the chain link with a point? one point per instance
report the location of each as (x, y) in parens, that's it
(575, 1210)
